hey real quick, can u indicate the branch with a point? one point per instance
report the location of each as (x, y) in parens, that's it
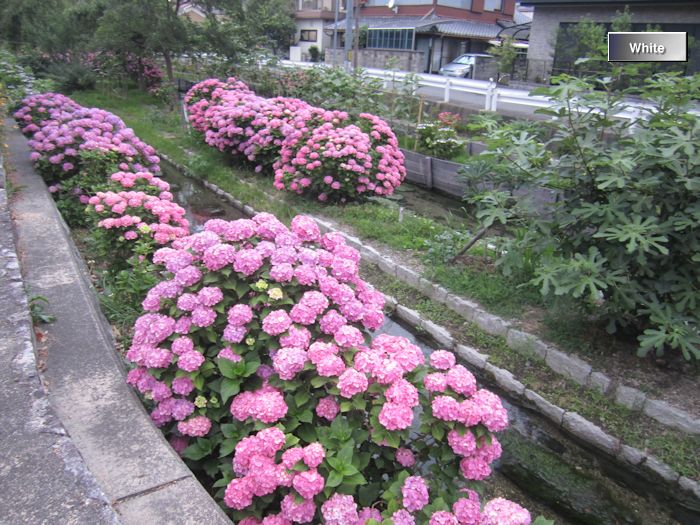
(471, 243)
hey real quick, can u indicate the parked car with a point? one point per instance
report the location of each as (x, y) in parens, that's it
(464, 65)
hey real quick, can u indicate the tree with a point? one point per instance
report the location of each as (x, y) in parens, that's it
(141, 28)
(505, 54)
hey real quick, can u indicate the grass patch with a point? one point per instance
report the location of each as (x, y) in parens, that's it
(499, 294)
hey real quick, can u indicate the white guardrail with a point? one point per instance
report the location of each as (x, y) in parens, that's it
(492, 93)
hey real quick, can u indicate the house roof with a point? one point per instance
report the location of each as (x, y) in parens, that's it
(433, 24)
(464, 29)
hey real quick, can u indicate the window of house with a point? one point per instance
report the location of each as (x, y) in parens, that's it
(390, 38)
(461, 4)
(493, 5)
(308, 35)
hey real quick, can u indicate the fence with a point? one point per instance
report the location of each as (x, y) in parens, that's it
(492, 93)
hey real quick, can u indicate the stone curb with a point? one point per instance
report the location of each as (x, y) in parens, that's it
(577, 369)
(142, 477)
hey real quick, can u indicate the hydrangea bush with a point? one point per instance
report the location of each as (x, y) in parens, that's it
(256, 357)
(326, 154)
(61, 131)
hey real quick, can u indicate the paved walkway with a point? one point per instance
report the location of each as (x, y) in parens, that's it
(43, 479)
(115, 465)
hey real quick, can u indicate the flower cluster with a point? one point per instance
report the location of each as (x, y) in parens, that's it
(257, 340)
(132, 214)
(311, 150)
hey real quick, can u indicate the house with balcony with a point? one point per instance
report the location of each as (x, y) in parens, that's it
(423, 35)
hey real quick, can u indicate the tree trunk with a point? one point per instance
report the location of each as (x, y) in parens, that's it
(171, 78)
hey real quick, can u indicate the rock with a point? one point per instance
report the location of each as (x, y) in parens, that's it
(461, 306)
(472, 356)
(630, 397)
(661, 469)
(505, 380)
(440, 334)
(544, 407)
(600, 382)
(408, 315)
(407, 276)
(568, 365)
(590, 433)
(671, 416)
(491, 324)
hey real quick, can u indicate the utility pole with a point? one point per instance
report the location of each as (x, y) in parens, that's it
(335, 33)
(356, 39)
(349, 13)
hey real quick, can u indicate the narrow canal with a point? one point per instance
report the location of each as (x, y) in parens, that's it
(541, 468)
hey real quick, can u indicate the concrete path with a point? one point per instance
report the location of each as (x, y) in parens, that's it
(123, 460)
(43, 479)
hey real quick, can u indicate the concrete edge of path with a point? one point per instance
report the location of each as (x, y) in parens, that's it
(140, 475)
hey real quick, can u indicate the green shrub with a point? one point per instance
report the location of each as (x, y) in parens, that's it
(623, 237)
(72, 76)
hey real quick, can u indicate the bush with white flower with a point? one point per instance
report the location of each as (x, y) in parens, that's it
(256, 357)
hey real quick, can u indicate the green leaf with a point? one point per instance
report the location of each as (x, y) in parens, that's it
(229, 387)
(318, 381)
(306, 416)
(346, 453)
(355, 479)
(251, 367)
(230, 369)
(301, 397)
(229, 429)
(541, 520)
(334, 479)
(227, 447)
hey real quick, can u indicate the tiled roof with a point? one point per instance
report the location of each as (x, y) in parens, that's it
(392, 22)
(466, 29)
(446, 26)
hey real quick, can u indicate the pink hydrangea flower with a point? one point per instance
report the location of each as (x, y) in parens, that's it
(405, 457)
(468, 510)
(352, 382)
(308, 483)
(395, 417)
(327, 408)
(443, 517)
(288, 362)
(442, 360)
(403, 517)
(302, 512)
(197, 426)
(276, 322)
(339, 509)
(190, 361)
(500, 511)
(415, 493)
(436, 382)
(314, 455)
